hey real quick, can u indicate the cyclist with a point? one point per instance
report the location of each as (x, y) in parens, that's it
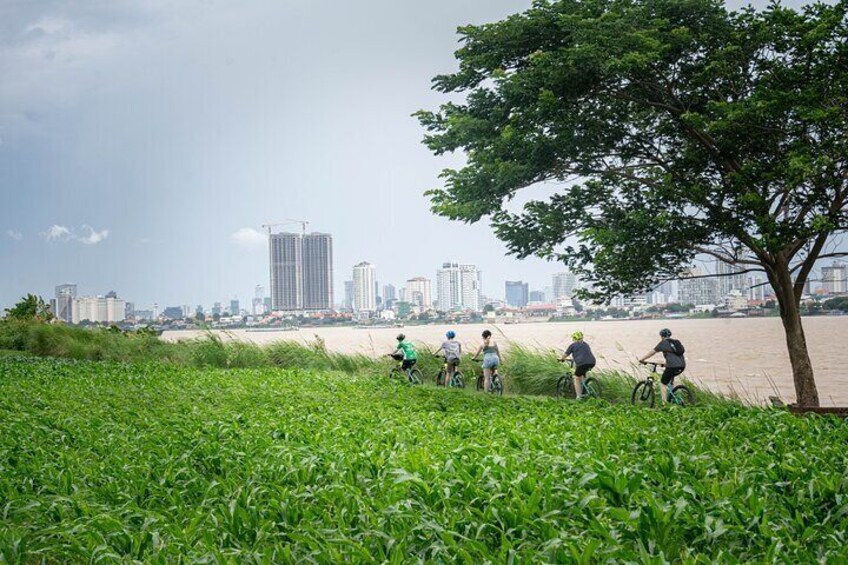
(675, 362)
(407, 350)
(584, 360)
(453, 352)
(491, 358)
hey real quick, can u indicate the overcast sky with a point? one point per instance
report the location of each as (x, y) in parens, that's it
(144, 142)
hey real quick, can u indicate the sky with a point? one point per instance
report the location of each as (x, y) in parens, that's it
(143, 143)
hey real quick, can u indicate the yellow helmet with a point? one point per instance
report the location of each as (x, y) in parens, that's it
(577, 335)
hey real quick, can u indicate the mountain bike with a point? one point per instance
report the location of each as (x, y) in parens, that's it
(497, 383)
(412, 376)
(643, 392)
(565, 385)
(456, 380)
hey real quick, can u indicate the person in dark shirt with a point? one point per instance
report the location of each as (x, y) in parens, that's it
(584, 360)
(675, 362)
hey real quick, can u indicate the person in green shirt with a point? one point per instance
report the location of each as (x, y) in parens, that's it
(408, 353)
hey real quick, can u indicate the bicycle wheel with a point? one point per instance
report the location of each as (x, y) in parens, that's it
(416, 377)
(458, 381)
(397, 375)
(479, 382)
(592, 387)
(440, 378)
(497, 385)
(681, 395)
(565, 387)
(643, 394)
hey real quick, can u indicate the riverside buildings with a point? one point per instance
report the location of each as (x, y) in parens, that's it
(99, 309)
(301, 271)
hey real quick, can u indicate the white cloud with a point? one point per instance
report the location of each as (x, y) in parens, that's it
(16, 235)
(94, 237)
(249, 238)
(63, 233)
(57, 233)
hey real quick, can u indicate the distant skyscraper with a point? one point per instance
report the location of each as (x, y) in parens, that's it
(258, 300)
(697, 291)
(732, 279)
(536, 296)
(317, 271)
(234, 307)
(98, 309)
(364, 293)
(65, 294)
(835, 278)
(564, 285)
(389, 293)
(301, 271)
(458, 286)
(173, 312)
(756, 288)
(217, 309)
(418, 292)
(517, 293)
(348, 295)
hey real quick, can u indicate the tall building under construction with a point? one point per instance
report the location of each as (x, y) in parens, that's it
(301, 271)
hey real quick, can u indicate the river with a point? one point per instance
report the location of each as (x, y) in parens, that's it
(746, 357)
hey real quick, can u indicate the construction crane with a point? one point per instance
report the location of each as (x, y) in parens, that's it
(287, 222)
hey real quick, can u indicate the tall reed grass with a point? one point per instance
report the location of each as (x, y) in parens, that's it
(525, 370)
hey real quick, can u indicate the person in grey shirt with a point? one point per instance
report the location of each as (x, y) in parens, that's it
(453, 353)
(673, 352)
(584, 360)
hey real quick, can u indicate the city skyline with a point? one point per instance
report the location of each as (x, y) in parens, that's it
(126, 164)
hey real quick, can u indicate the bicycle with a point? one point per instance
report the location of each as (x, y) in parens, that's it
(565, 385)
(643, 392)
(497, 384)
(456, 380)
(413, 375)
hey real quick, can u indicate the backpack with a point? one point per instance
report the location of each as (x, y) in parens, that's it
(677, 346)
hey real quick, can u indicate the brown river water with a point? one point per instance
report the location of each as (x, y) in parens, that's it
(746, 357)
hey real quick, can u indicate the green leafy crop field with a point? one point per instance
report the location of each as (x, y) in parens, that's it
(159, 463)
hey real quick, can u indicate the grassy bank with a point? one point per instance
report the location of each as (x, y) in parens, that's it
(525, 371)
(158, 463)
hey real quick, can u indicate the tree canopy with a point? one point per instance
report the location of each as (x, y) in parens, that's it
(30, 308)
(663, 130)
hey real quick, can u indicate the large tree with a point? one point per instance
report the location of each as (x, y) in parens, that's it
(661, 131)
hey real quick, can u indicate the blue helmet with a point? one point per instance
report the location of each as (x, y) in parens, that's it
(451, 334)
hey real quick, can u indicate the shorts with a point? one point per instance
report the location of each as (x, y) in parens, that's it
(669, 374)
(581, 370)
(491, 361)
(452, 363)
(408, 364)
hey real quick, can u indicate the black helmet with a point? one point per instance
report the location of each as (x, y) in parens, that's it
(665, 332)
(487, 333)
(401, 337)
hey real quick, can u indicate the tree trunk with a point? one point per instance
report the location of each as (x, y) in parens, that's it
(790, 314)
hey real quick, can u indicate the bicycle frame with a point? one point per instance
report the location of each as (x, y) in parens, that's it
(669, 388)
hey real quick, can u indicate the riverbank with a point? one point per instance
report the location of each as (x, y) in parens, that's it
(745, 358)
(525, 371)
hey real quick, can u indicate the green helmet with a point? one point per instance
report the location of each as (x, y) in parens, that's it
(577, 335)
